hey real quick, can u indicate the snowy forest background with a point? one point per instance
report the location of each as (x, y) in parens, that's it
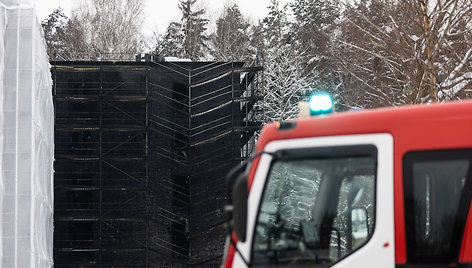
(366, 53)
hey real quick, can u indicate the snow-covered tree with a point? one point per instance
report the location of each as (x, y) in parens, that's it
(285, 80)
(173, 42)
(314, 25)
(105, 29)
(155, 43)
(285, 83)
(398, 52)
(187, 38)
(232, 38)
(54, 27)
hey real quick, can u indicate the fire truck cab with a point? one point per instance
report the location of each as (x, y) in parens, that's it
(385, 187)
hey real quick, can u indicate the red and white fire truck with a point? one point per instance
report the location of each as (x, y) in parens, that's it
(385, 187)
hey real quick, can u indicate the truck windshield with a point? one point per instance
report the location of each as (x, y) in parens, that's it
(315, 210)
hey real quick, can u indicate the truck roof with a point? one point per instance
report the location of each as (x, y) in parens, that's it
(413, 127)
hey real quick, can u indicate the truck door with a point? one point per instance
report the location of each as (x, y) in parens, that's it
(322, 202)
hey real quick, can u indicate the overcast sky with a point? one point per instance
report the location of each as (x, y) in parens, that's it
(158, 13)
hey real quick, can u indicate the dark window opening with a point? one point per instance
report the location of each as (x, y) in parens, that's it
(180, 141)
(180, 238)
(82, 139)
(437, 188)
(78, 107)
(179, 91)
(180, 191)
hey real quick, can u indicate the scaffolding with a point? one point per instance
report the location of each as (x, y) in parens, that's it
(142, 149)
(26, 139)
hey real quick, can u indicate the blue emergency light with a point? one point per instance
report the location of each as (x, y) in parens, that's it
(321, 103)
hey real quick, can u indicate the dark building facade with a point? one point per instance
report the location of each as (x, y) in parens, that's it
(142, 149)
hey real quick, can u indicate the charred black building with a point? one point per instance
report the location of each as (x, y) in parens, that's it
(142, 149)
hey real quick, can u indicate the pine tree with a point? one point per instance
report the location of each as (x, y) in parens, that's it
(187, 38)
(285, 80)
(54, 28)
(173, 43)
(314, 27)
(231, 41)
(195, 42)
(314, 22)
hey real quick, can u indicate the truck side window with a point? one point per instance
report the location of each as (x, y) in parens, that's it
(318, 206)
(354, 235)
(437, 193)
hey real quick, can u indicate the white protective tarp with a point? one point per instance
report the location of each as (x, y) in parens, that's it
(26, 139)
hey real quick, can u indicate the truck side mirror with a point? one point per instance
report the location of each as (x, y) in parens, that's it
(239, 197)
(231, 178)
